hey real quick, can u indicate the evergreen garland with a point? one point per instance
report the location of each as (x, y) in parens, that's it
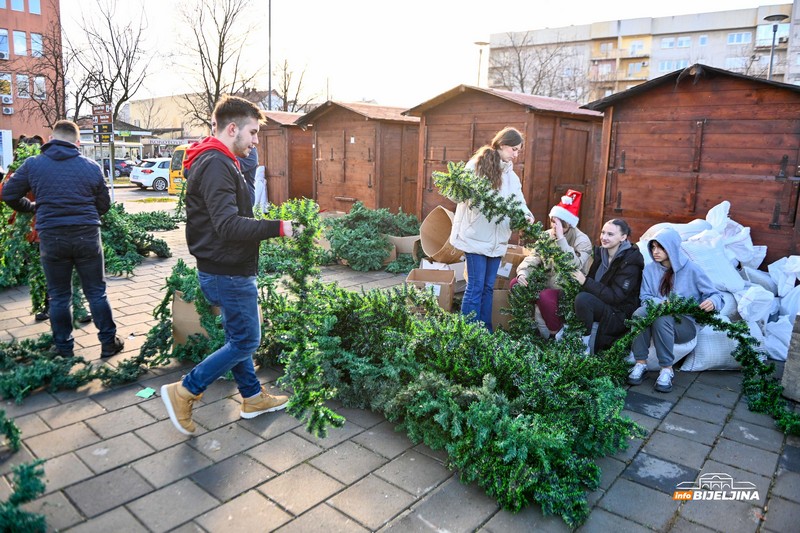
(762, 390)
(28, 485)
(10, 430)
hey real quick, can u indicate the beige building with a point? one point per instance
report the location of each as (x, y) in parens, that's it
(165, 113)
(591, 61)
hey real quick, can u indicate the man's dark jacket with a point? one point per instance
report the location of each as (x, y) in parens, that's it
(619, 288)
(220, 229)
(69, 188)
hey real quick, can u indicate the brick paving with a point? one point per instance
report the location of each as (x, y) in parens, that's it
(115, 463)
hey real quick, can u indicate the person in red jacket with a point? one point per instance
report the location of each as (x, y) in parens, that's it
(224, 238)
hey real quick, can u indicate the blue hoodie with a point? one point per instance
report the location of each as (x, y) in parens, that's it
(69, 188)
(689, 281)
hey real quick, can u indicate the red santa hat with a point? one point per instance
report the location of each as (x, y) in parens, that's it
(569, 207)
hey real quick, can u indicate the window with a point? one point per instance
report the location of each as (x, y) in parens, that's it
(2, 4)
(637, 48)
(605, 68)
(35, 7)
(606, 48)
(668, 42)
(36, 45)
(684, 42)
(633, 68)
(20, 43)
(744, 37)
(702, 40)
(39, 88)
(4, 41)
(18, 5)
(5, 83)
(732, 63)
(23, 86)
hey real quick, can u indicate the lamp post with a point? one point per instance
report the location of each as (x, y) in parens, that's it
(775, 19)
(269, 30)
(480, 45)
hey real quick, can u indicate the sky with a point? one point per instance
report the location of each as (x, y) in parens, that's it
(399, 53)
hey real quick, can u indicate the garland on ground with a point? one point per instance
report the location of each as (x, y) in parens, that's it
(28, 485)
(760, 387)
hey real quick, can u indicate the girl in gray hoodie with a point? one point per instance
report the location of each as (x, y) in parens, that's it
(671, 272)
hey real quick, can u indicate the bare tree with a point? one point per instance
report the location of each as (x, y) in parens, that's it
(114, 58)
(55, 84)
(150, 112)
(216, 44)
(291, 96)
(553, 69)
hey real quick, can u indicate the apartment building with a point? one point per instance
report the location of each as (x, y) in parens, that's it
(588, 62)
(23, 27)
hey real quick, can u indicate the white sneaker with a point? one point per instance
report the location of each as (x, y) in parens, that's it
(637, 373)
(587, 342)
(664, 381)
(559, 334)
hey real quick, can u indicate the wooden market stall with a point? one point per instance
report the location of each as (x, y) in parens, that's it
(363, 152)
(675, 146)
(284, 148)
(561, 148)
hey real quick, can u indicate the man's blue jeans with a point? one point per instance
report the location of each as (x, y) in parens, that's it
(60, 250)
(237, 298)
(482, 272)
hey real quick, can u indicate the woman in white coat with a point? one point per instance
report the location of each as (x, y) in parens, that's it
(484, 242)
(260, 199)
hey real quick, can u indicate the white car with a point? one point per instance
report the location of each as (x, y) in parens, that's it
(152, 173)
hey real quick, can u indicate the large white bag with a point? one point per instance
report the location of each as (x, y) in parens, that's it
(755, 303)
(784, 273)
(713, 351)
(710, 256)
(778, 335)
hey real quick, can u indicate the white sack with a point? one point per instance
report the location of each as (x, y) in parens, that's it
(755, 303)
(778, 334)
(711, 258)
(784, 272)
(717, 216)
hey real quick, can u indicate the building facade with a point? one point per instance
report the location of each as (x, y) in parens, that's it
(591, 61)
(25, 27)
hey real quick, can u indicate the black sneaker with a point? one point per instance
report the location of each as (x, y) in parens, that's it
(54, 351)
(85, 319)
(112, 348)
(42, 316)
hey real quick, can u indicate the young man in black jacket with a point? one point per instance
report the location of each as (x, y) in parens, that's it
(71, 196)
(224, 238)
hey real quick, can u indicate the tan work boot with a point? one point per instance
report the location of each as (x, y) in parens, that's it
(178, 401)
(262, 403)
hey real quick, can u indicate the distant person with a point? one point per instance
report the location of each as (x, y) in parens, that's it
(485, 242)
(71, 196)
(671, 272)
(224, 239)
(248, 167)
(610, 291)
(261, 200)
(564, 218)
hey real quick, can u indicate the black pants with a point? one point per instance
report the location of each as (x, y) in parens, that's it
(589, 309)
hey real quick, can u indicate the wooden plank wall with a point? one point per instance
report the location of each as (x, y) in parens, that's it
(675, 152)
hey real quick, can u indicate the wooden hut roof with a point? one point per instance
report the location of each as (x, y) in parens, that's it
(530, 101)
(695, 72)
(368, 111)
(282, 118)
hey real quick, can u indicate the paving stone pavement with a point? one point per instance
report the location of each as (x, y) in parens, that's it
(115, 463)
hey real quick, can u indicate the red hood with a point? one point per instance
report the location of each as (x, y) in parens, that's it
(209, 143)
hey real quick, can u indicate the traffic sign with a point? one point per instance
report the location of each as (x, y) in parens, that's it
(102, 138)
(101, 119)
(101, 109)
(102, 128)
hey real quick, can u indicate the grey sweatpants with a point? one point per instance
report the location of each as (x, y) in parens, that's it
(666, 332)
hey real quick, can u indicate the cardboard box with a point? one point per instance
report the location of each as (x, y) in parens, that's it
(440, 281)
(185, 320)
(500, 320)
(406, 245)
(508, 265)
(457, 268)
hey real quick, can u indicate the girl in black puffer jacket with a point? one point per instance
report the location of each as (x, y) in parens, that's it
(610, 291)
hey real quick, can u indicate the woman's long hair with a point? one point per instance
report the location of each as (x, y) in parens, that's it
(667, 280)
(488, 162)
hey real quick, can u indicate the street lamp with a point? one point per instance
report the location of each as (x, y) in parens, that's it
(480, 45)
(775, 19)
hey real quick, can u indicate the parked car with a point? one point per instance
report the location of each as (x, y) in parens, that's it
(152, 173)
(122, 167)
